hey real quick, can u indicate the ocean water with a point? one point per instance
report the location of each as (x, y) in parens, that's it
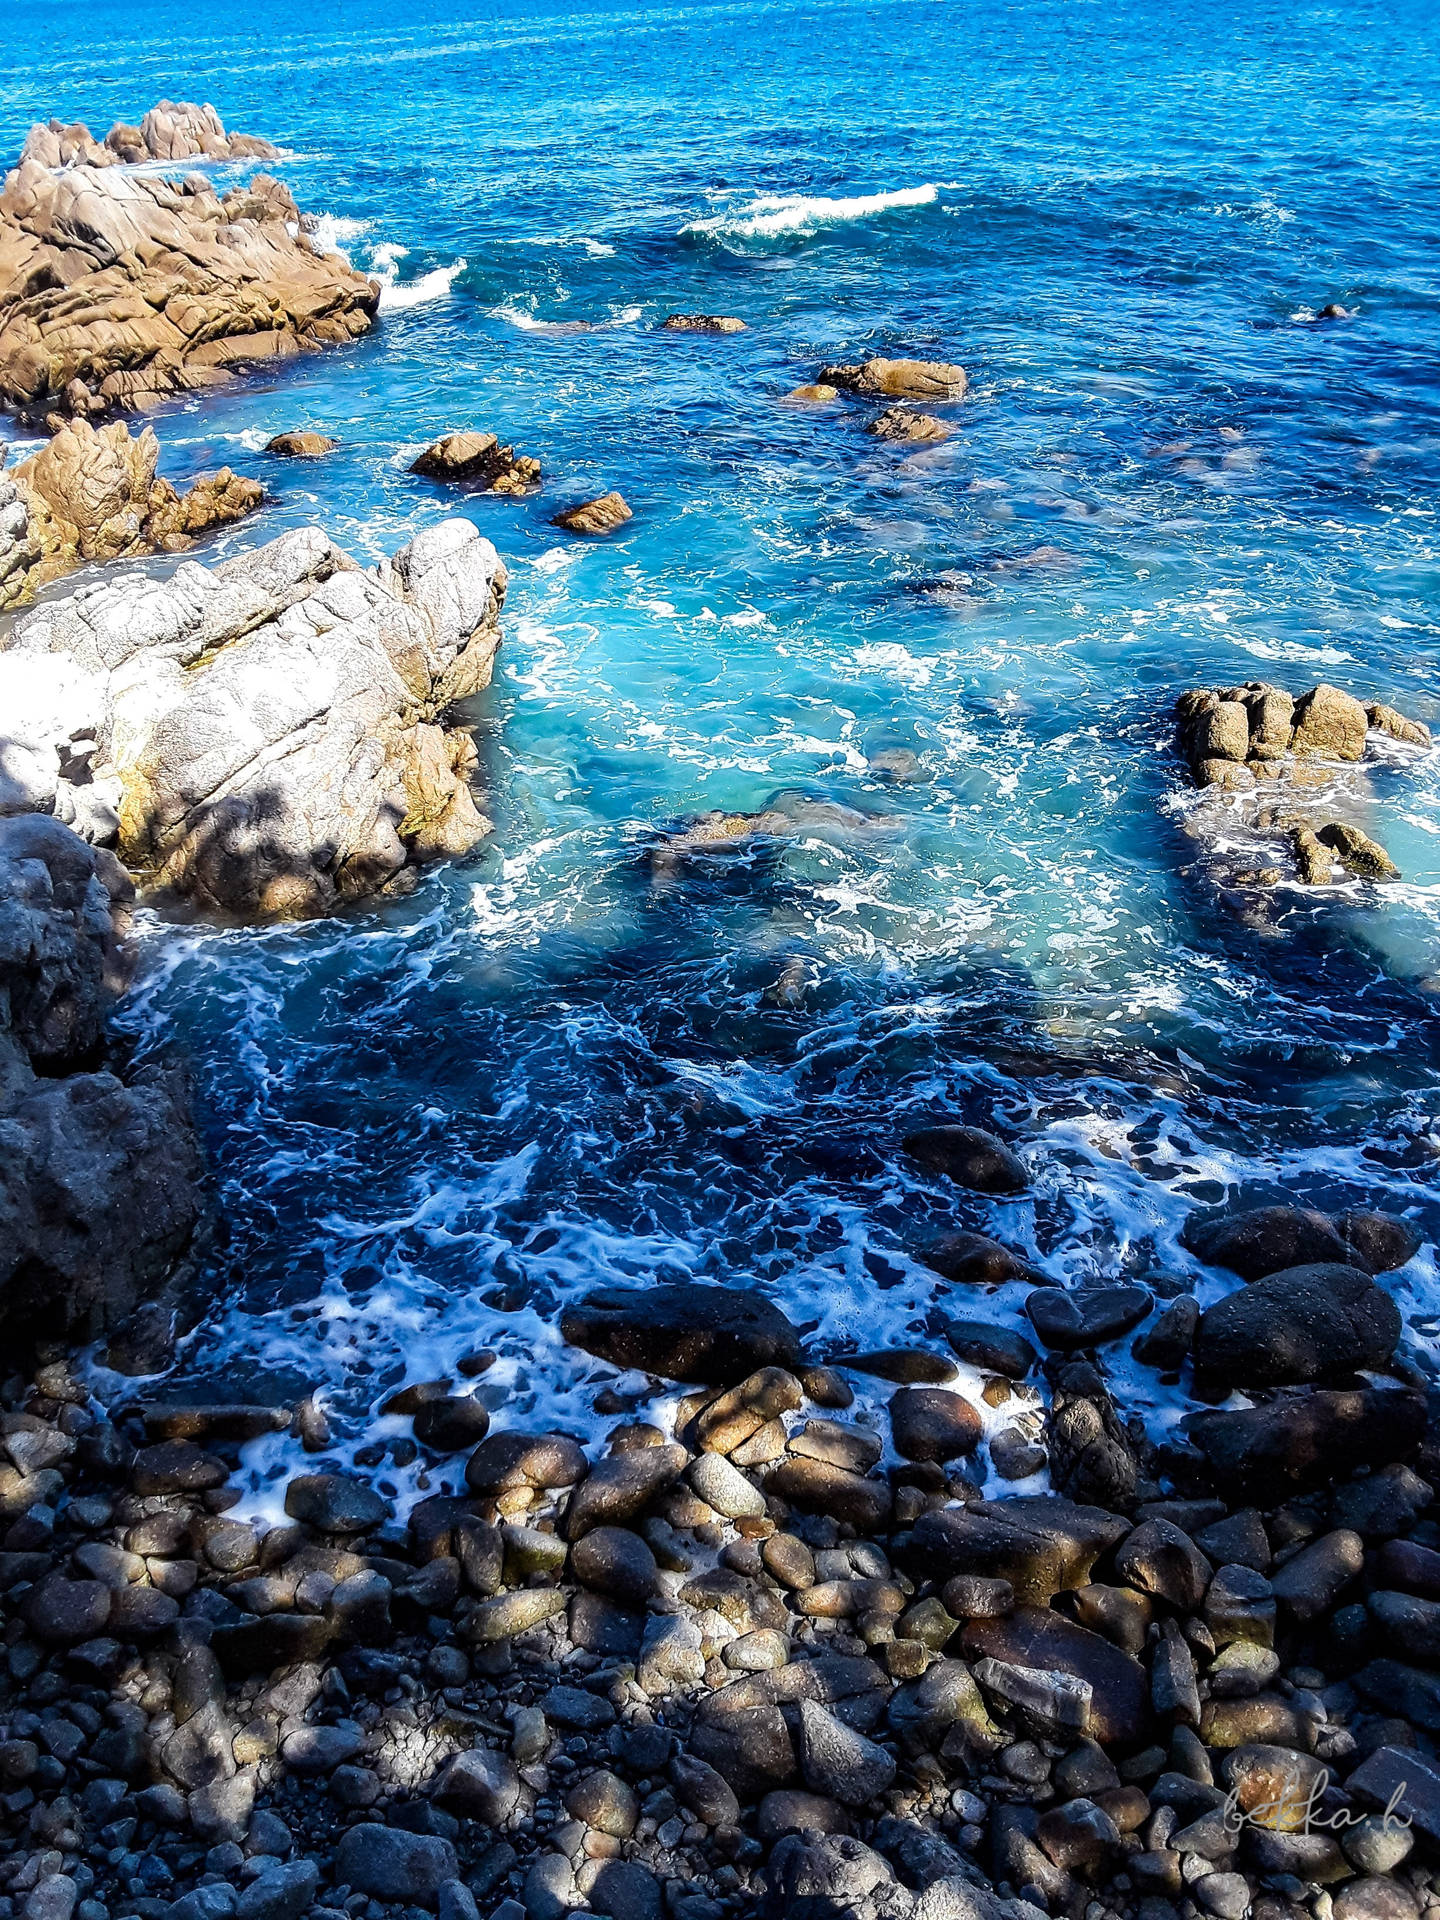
(563, 1062)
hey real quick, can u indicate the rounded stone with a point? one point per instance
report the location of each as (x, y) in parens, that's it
(617, 1563)
(928, 1423)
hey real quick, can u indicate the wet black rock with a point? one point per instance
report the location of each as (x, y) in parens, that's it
(1068, 1322)
(1304, 1440)
(973, 1259)
(1039, 1638)
(969, 1156)
(1254, 1241)
(451, 1422)
(333, 1503)
(929, 1423)
(1298, 1325)
(1379, 1242)
(505, 1462)
(1039, 1543)
(714, 1335)
(996, 1349)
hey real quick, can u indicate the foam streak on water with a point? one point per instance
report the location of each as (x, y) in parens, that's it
(436, 1120)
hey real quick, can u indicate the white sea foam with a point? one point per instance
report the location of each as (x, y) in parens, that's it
(395, 294)
(775, 214)
(332, 233)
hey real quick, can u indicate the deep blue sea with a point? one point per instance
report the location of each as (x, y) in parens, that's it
(553, 1064)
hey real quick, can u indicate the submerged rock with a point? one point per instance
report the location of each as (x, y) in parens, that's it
(302, 444)
(901, 379)
(93, 494)
(270, 729)
(601, 515)
(478, 459)
(702, 323)
(119, 289)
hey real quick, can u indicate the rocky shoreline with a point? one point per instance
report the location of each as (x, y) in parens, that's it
(732, 1667)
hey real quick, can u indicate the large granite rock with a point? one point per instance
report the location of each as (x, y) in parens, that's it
(99, 1176)
(171, 130)
(268, 733)
(119, 289)
(93, 494)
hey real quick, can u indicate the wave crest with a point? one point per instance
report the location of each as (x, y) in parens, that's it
(775, 214)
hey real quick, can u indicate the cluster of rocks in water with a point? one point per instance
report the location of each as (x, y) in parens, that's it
(1291, 761)
(765, 1658)
(93, 494)
(121, 289)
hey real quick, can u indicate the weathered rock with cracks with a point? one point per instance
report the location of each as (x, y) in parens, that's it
(118, 290)
(272, 729)
(93, 494)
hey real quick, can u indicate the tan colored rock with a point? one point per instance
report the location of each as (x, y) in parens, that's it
(1228, 775)
(171, 130)
(904, 423)
(702, 323)
(815, 394)
(900, 379)
(1386, 720)
(477, 459)
(1312, 858)
(301, 445)
(93, 494)
(1357, 852)
(118, 290)
(601, 515)
(1329, 725)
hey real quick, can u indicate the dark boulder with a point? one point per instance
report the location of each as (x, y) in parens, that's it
(1254, 1241)
(1379, 1242)
(969, 1156)
(1039, 1543)
(996, 1349)
(973, 1259)
(714, 1335)
(1302, 1324)
(1264, 1454)
(1040, 1638)
(1068, 1322)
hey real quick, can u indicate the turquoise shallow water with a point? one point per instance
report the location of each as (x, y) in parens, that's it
(432, 1121)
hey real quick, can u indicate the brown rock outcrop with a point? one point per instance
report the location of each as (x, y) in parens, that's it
(93, 494)
(301, 445)
(904, 423)
(899, 379)
(595, 516)
(478, 460)
(118, 290)
(171, 130)
(702, 323)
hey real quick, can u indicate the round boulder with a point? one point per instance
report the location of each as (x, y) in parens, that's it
(929, 1423)
(1306, 1323)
